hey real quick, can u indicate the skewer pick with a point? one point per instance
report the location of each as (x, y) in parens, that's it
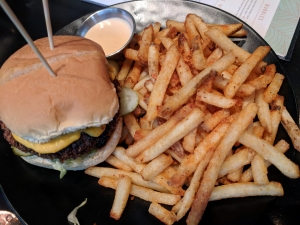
(48, 23)
(24, 33)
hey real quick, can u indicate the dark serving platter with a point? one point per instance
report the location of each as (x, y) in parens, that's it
(40, 197)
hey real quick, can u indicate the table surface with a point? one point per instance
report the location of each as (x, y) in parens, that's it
(30, 13)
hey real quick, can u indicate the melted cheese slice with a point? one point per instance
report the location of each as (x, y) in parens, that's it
(56, 144)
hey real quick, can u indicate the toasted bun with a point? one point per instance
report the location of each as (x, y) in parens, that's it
(38, 107)
(89, 160)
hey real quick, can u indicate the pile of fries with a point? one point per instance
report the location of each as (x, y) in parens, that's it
(206, 122)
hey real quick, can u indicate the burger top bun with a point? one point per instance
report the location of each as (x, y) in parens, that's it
(38, 107)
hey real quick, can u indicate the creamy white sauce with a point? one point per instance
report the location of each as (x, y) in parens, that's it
(111, 34)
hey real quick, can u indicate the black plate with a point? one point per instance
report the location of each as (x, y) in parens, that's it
(40, 197)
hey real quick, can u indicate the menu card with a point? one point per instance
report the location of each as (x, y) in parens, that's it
(275, 20)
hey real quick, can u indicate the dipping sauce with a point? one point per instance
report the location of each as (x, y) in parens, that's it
(111, 34)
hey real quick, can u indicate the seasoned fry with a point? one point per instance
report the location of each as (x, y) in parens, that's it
(198, 58)
(187, 200)
(236, 161)
(153, 59)
(189, 141)
(215, 119)
(263, 113)
(133, 76)
(273, 88)
(161, 84)
(190, 27)
(156, 166)
(131, 54)
(124, 69)
(142, 192)
(183, 71)
(241, 74)
(178, 25)
(266, 78)
(246, 189)
(291, 127)
(147, 37)
(118, 163)
(164, 215)
(131, 123)
(121, 197)
(229, 29)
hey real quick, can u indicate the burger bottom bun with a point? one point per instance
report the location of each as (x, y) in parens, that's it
(88, 160)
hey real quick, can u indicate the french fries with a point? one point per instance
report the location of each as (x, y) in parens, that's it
(206, 125)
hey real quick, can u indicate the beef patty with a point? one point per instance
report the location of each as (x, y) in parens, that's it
(80, 147)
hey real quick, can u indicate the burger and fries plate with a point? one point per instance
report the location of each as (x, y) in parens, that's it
(40, 197)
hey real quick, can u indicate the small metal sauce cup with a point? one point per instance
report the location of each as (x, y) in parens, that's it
(106, 14)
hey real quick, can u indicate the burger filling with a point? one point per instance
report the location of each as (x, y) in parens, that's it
(81, 142)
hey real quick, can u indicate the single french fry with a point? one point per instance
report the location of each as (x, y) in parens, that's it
(268, 152)
(210, 176)
(119, 153)
(121, 197)
(184, 48)
(153, 59)
(190, 27)
(162, 81)
(259, 170)
(273, 88)
(241, 74)
(118, 163)
(277, 107)
(139, 146)
(131, 123)
(156, 28)
(189, 141)
(141, 83)
(236, 161)
(124, 69)
(228, 29)
(212, 121)
(142, 192)
(240, 33)
(136, 178)
(178, 25)
(183, 71)
(198, 58)
(182, 96)
(263, 113)
(263, 80)
(180, 130)
(187, 200)
(156, 166)
(237, 190)
(174, 155)
(133, 75)
(167, 42)
(190, 162)
(131, 54)
(147, 37)
(200, 25)
(214, 56)
(215, 99)
(161, 213)
(291, 127)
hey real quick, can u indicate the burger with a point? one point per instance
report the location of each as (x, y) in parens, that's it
(70, 119)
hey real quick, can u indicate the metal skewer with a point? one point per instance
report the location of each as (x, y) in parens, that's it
(48, 23)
